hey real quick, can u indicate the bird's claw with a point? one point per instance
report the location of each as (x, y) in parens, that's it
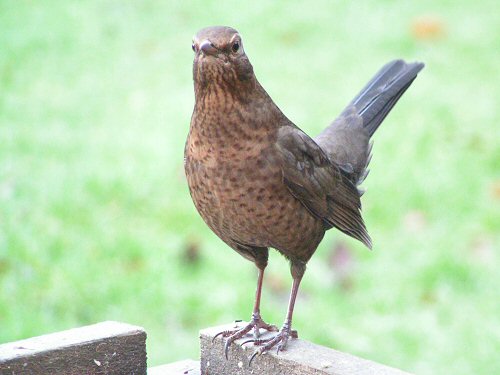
(256, 342)
(222, 333)
(281, 339)
(264, 349)
(232, 335)
(226, 349)
(280, 347)
(255, 354)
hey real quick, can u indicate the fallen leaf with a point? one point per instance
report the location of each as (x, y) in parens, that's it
(428, 27)
(495, 190)
(191, 252)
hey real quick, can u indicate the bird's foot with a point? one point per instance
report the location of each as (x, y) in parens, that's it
(256, 324)
(280, 341)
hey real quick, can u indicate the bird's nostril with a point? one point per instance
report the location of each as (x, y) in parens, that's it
(207, 48)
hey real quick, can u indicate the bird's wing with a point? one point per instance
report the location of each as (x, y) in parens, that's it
(322, 187)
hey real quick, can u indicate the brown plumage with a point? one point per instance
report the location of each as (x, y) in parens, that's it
(259, 181)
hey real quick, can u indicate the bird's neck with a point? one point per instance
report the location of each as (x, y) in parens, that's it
(223, 116)
(221, 91)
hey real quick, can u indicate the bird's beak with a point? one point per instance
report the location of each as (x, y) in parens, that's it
(207, 48)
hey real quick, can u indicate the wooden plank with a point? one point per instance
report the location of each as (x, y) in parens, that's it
(104, 348)
(300, 358)
(186, 367)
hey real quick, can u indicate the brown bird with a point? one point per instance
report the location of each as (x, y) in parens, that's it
(259, 181)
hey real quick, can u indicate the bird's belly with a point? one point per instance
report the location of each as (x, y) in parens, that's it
(247, 202)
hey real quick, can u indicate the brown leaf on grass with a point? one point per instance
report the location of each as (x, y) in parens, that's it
(191, 252)
(290, 37)
(495, 190)
(428, 27)
(428, 298)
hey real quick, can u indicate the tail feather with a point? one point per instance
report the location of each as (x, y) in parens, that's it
(380, 95)
(347, 139)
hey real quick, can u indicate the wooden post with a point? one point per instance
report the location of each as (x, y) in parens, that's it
(300, 358)
(104, 348)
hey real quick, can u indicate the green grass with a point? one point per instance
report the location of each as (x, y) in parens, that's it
(96, 219)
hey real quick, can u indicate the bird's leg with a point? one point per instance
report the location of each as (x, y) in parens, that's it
(256, 322)
(286, 331)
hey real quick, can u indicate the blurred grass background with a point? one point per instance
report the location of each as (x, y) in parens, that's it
(96, 222)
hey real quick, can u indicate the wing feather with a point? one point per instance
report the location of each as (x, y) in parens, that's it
(322, 187)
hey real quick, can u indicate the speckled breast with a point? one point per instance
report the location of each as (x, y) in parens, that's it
(240, 194)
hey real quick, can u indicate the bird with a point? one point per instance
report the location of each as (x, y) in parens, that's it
(260, 182)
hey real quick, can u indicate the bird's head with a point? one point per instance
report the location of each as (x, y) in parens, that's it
(220, 58)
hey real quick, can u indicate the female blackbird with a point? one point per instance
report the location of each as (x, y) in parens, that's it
(259, 181)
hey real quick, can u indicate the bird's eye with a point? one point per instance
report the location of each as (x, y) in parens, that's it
(193, 47)
(235, 47)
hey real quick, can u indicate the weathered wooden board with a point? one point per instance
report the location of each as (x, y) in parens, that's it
(104, 348)
(300, 358)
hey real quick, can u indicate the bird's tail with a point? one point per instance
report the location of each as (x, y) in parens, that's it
(378, 97)
(347, 139)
